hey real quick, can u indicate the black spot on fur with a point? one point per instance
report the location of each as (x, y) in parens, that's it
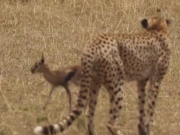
(120, 98)
(92, 113)
(76, 112)
(111, 111)
(142, 101)
(156, 87)
(83, 85)
(153, 103)
(112, 99)
(116, 92)
(140, 119)
(120, 107)
(141, 111)
(117, 102)
(72, 118)
(143, 90)
(69, 122)
(80, 105)
(94, 91)
(82, 97)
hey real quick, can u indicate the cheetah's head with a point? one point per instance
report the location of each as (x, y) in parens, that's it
(156, 23)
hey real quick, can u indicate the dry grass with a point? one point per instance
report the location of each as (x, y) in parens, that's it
(60, 29)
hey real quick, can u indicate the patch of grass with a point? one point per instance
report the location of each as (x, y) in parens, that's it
(2, 133)
(41, 119)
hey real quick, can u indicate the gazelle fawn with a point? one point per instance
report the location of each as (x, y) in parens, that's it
(58, 77)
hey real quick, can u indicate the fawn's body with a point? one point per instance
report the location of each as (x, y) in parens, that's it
(58, 77)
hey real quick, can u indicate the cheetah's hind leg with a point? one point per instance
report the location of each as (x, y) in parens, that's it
(114, 85)
(93, 94)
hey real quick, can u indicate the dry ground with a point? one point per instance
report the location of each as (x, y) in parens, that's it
(60, 29)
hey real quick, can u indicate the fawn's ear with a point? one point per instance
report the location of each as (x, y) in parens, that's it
(42, 58)
(168, 22)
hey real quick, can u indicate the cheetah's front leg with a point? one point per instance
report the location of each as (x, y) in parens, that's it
(141, 103)
(155, 82)
(152, 97)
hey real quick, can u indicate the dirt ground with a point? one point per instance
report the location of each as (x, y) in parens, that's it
(60, 29)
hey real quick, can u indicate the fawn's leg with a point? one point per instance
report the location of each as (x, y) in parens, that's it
(49, 97)
(69, 97)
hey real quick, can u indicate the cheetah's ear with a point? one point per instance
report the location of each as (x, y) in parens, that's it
(168, 22)
(144, 23)
(42, 58)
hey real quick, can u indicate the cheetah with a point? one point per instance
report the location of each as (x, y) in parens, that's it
(142, 57)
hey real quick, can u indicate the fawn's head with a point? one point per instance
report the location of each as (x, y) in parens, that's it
(38, 66)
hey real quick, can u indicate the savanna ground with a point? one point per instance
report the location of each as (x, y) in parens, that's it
(60, 29)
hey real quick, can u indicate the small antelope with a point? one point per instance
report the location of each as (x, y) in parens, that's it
(58, 77)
